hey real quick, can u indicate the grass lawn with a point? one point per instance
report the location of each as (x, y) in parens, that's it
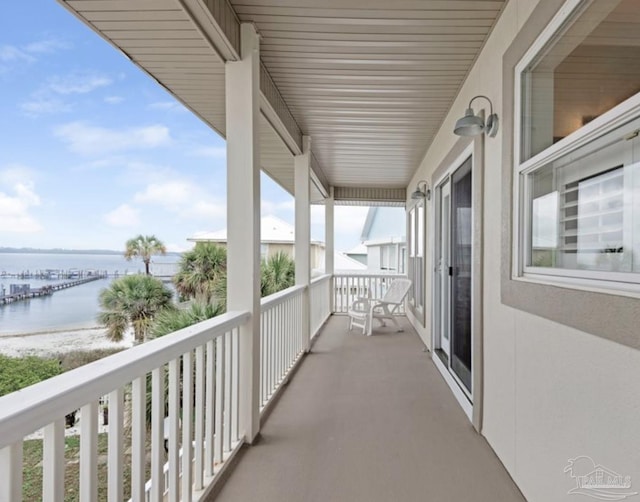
(32, 469)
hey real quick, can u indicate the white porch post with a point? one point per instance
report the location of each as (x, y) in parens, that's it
(243, 218)
(329, 248)
(303, 232)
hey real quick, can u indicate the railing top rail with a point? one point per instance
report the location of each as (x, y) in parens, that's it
(32, 408)
(320, 278)
(277, 298)
(381, 275)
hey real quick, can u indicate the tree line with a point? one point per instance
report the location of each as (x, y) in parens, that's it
(146, 305)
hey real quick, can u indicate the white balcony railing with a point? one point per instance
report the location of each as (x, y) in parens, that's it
(187, 380)
(281, 338)
(349, 287)
(180, 391)
(320, 308)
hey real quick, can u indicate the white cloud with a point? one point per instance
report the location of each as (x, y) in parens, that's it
(113, 100)
(123, 216)
(77, 83)
(206, 210)
(47, 46)
(44, 105)
(169, 194)
(48, 98)
(17, 198)
(11, 53)
(12, 56)
(183, 198)
(214, 152)
(87, 139)
(278, 208)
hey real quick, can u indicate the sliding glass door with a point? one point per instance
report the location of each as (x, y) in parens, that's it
(453, 274)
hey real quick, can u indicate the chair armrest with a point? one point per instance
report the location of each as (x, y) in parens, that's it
(362, 305)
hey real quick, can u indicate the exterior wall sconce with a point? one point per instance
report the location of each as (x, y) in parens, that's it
(419, 194)
(471, 124)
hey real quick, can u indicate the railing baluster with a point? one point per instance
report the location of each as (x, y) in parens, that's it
(227, 392)
(157, 434)
(219, 422)
(116, 445)
(52, 462)
(210, 410)
(263, 384)
(11, 473)
(174, 430)
(198, 469)
(187, 427)
(138, 437)
(273, 348)
(235, 387)
(89, 452)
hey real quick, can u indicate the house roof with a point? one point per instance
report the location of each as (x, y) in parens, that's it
(273, 230)
(343, 262)
(359, 249)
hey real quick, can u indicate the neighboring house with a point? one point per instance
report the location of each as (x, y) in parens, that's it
(275, 235)
(345, 263)
(384, 236)
(358, 253)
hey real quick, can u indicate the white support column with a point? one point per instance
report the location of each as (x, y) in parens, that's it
(302, 166)
(329, 240)
(243, 218)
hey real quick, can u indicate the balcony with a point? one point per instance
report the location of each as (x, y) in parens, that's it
(358, 418)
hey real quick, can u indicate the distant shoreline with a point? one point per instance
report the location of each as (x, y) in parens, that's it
(50, 331)
(110, 252)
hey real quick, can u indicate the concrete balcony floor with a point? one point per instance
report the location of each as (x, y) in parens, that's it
(368, 419)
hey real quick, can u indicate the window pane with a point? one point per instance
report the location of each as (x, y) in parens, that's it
(412, 234)
(420, 231)
(590, 66)
(585, 208)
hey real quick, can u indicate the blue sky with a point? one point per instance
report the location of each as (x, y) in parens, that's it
(93, 151)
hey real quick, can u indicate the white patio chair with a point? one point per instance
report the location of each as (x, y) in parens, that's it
(364, 310)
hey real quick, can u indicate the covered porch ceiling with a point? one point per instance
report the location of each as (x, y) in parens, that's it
(370, 81)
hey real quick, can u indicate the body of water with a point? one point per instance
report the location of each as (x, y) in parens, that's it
(72, 308)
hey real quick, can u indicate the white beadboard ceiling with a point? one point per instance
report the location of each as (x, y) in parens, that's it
(369, 80)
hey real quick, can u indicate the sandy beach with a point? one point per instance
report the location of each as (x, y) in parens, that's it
(56, 342)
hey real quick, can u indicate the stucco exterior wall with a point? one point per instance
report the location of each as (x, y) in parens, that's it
(550, 392)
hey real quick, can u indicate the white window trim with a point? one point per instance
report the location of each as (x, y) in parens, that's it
(625, 283)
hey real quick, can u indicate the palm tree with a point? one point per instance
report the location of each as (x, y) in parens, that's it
(278, 272)
(144, 246)
(200, 272)
(132, 300)
(169, 321)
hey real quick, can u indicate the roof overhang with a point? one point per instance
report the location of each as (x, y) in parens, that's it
(370, 81)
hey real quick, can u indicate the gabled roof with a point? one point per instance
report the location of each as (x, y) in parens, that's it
(359, 249)
(343, 262)
(273, 230)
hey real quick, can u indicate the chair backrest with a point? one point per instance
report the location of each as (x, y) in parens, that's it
(397, 291)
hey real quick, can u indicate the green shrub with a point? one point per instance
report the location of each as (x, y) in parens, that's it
(76, 358)
(19, 372)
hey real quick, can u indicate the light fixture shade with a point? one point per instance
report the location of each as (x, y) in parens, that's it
(418, 194)
(469, 125)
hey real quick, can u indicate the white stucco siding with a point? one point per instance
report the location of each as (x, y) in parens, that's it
(550, 391)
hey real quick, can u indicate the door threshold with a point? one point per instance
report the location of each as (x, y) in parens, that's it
(460, 396)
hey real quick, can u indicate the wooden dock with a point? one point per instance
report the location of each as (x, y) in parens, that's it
(47, 290)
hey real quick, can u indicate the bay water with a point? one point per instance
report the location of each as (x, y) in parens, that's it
(68, 309)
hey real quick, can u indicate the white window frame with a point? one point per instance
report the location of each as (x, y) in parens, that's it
(418, 310)
(626, 283)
